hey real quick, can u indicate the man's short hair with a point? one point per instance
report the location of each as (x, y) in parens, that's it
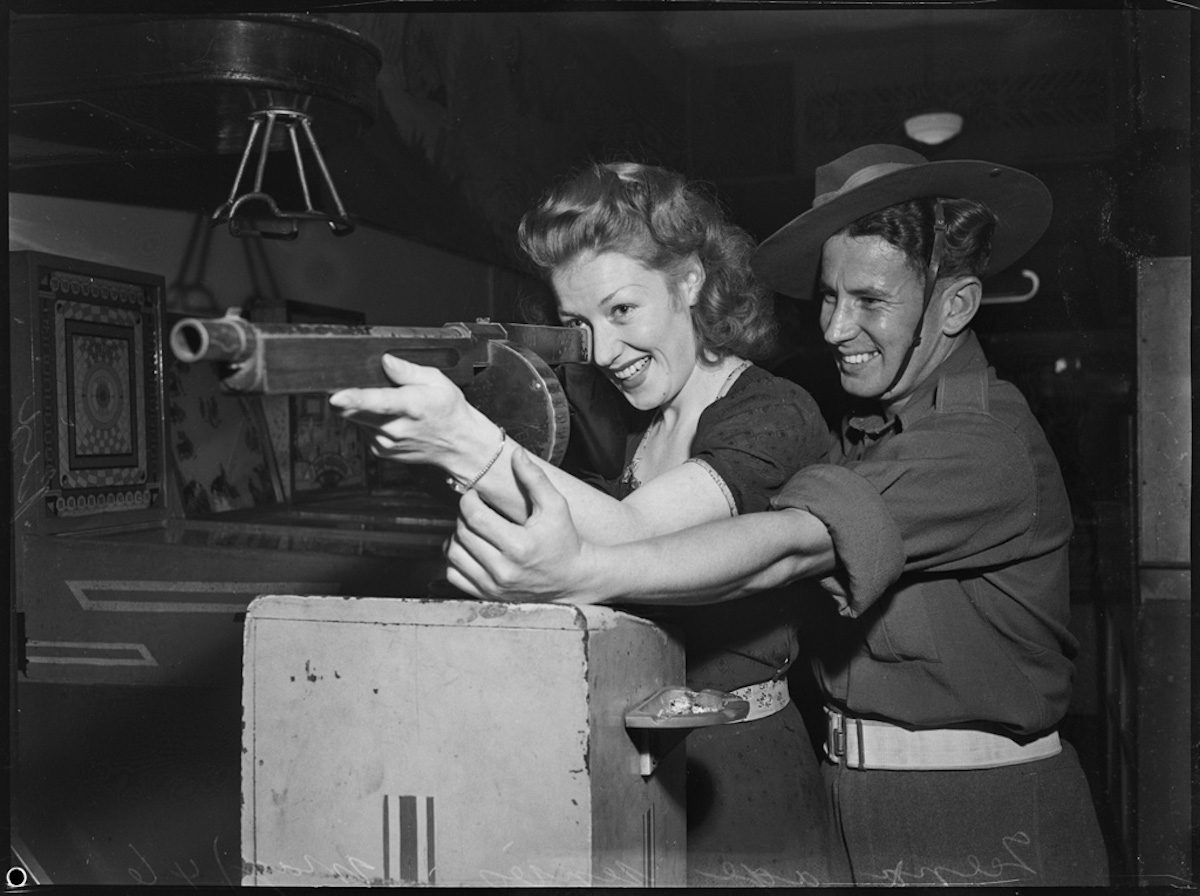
(909, 227)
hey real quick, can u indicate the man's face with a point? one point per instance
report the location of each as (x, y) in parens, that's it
(870, 305)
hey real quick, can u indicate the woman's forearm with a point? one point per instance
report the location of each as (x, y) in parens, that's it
(590, 507)
(682, 497)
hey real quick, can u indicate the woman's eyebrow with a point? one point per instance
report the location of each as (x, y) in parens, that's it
(607, 300)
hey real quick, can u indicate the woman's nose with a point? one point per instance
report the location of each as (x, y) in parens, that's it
(605, 346)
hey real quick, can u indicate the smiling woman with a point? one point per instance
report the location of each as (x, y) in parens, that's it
(648, 263)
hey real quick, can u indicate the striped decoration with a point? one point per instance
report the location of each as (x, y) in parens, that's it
(648, 847)
(408, 840)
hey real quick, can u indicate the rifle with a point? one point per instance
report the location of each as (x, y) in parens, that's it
(503, 369)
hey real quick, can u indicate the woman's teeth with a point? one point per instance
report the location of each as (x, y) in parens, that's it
(631, 369)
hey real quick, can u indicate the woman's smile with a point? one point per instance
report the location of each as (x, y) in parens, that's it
(628, 373)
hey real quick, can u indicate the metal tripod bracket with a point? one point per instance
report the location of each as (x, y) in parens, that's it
(255, 212)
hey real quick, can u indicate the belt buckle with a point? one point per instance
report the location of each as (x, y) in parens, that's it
(837, 735)
(838, 739)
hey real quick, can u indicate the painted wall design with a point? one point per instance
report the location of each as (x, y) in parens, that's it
(220, 444)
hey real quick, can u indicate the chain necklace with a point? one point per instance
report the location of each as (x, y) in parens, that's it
(629, 478)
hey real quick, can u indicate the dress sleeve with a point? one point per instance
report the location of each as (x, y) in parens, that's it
(758, 435)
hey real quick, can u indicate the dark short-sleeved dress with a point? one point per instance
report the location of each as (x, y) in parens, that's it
(755, 808)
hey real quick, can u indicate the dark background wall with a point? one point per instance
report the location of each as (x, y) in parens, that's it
(476, 113)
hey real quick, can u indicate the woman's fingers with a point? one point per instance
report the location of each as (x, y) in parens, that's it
(406, 373)
(389, 401)
(381, 398)
(368, 419)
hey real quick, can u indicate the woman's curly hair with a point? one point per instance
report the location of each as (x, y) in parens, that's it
(909, 227)
(657, 217)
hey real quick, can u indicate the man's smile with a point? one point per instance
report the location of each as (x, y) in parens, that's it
(856, 359)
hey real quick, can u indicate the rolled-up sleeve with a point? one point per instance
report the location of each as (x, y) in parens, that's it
(865, 536)
(950, 494)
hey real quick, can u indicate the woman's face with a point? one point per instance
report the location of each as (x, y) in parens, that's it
(642, 334)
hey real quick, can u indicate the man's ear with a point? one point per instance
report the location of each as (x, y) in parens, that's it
(960, 301)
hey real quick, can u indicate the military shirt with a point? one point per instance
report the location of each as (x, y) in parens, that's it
(951, 523)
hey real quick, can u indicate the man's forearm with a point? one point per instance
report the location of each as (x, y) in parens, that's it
(709, 563)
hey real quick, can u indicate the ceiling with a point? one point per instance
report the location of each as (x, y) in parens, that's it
(475, 112)
(704, 31)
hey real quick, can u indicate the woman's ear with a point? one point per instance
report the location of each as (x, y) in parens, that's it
(961, 300)
(693, 279)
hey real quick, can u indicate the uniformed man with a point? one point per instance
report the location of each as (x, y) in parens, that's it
(939, 528)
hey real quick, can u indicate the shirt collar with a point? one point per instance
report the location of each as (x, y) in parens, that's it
(872, 420)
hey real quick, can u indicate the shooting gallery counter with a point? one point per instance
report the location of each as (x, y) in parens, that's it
(454, 743)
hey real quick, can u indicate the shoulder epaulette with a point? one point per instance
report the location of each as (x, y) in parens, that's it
(965, 391)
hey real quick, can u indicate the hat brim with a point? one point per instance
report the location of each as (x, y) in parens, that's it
(789, 259)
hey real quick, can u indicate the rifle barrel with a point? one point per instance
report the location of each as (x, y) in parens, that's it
(281, 358)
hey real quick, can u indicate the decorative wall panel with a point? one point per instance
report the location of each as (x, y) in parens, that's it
(97, 378)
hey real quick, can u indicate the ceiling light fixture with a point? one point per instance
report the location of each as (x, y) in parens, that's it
(933, 128)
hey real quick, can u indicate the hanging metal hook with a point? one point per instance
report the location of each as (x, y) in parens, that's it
(1010, 298)
(256, 213)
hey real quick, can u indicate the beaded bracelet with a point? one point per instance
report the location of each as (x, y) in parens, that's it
(463, 489)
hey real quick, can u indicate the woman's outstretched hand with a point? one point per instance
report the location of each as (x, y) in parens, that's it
(425, 419)
(542, 559)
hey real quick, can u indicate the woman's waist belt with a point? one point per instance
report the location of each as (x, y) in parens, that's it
(872, 744)
(765, 698)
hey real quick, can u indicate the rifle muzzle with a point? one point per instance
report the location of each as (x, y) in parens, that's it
(217, 339)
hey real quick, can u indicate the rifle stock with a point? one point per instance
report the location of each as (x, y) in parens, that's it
(503, 369)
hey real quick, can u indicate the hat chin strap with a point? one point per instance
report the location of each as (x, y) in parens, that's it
(931, 275)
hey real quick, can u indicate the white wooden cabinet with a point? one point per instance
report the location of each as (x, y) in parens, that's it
(454, 743)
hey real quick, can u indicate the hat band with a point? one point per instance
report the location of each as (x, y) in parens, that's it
(858, 178)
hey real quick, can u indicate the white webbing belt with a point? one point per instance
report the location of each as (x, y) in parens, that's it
(765, 698)
(872, 744)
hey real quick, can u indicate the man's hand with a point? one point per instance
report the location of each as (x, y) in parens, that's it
(542, 559)
(426, 419)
